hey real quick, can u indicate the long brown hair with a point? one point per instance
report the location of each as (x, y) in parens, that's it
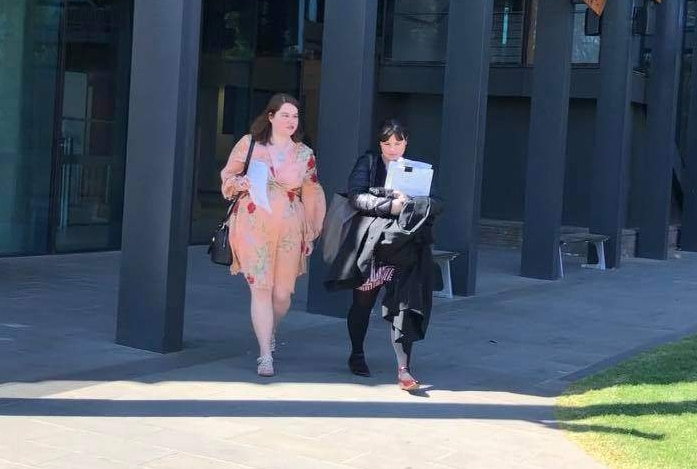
(261, 127)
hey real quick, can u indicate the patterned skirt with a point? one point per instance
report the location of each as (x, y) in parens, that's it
(378, 277)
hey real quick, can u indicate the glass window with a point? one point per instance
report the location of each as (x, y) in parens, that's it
(507, 32)
(229, 29)
(586, 49)
(278, 28)
(532, 31)
(644, 25)
(312, 29)
(691, 15)
(417, 30)
(421, 6)
(94, 92)
(251, 50)
(29, 51)
(64, 72)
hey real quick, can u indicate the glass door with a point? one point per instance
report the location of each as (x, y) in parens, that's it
(249, 52)
(91, 121)
(29, 48)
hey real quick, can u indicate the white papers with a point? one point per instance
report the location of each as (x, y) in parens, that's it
(258, 176)
(414, 163)
(410, 177)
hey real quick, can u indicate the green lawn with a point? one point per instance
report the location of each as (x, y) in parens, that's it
(641, 414)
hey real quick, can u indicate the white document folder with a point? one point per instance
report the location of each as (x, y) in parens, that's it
(412, 178)
(258, 176)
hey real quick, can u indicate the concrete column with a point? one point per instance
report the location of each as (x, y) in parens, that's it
(549, 112)
(345, 127)
(465, 91)
(688, 229)
(657, 159)
(613, 129)
(159, 173)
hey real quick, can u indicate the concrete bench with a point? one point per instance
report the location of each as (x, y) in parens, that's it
(597, 240)
(442, 259)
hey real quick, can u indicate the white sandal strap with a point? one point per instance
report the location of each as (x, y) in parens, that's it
(265, 366)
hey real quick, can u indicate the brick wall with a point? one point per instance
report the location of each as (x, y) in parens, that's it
(507, 233)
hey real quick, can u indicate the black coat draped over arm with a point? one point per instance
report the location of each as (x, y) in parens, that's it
(403, 242)
(366, 193)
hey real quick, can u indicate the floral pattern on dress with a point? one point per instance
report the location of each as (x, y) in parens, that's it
(270, 249)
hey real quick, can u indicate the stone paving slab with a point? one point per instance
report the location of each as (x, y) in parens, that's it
(322, 419)
(492, 366)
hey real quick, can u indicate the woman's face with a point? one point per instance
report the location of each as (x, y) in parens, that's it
(393, 149)
(285, 121)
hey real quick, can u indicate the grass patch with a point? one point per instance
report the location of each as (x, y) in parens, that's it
(641, 414)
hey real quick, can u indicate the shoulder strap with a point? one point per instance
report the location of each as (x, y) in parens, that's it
(371, 157)
(249, 155)
(234, 199)
(373, 168)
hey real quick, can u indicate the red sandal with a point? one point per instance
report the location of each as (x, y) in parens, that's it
(405, 380)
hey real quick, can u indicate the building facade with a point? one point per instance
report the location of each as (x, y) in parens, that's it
(116, 116)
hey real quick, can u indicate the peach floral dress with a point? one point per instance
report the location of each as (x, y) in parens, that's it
(270, 249)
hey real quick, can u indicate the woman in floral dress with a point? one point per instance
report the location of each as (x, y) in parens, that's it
(270, 248)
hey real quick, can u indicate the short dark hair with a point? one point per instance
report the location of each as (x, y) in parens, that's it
(390, 127)
(261, 127)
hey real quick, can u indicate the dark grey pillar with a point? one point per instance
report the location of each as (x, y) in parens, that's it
(465, 90)
(688, 229)
(544, 186)
(657, 164)
(123, 45)
(613, 129)
(345, 128)
(159, 170)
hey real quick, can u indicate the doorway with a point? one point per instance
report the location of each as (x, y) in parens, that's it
(91, 116)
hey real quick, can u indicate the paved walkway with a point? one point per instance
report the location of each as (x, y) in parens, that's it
(493, 365)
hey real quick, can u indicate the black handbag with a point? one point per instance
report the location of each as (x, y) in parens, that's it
(219, 249)
(337, 223)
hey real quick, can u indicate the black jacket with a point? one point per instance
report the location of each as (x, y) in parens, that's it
(353, 263)
(404, 242)
(407, 244)
(365, 187)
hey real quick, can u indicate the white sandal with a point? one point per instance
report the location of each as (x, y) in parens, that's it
(265, 366)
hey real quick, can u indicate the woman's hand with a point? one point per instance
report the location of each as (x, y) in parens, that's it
(397, 206)
(398, 203)
(235, 185)
(308, 248)
(240, 183)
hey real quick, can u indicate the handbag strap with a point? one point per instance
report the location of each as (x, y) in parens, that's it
(234, 199)
(249, 155)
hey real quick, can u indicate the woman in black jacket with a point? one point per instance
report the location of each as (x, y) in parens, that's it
(368, 195)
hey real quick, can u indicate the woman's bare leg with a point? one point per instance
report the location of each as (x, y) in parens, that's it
(402, 352)
(263, 319)
(281, 304)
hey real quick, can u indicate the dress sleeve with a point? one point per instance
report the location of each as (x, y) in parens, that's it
(234, 166)
(374, 202)
(313, 200)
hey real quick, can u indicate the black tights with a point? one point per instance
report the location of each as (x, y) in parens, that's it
(358, 319)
